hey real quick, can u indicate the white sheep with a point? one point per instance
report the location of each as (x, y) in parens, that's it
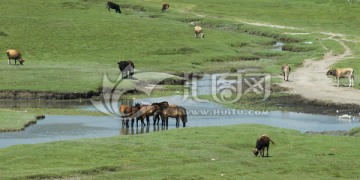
(198, 32)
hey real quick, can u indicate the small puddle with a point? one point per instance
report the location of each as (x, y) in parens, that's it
(278, 46)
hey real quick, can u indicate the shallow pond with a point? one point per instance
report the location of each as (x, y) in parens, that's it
(56, 128)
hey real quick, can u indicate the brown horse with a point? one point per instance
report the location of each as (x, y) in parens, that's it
(158, 108)
(145, 112)
(122, 113)
(130, 113)
(176, 112)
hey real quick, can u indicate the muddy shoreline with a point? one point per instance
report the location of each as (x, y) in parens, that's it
(288, 101)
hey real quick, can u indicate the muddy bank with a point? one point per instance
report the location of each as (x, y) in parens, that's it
(312, 106)
(43, 95)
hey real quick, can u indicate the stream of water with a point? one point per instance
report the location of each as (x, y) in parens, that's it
(61, 127)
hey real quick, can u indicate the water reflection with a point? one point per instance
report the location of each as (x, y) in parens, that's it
(142, 130)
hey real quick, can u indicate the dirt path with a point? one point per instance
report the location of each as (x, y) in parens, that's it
(311, 82)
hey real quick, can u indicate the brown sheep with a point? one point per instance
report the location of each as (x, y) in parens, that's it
(199, 32)
(343, 73)
(15, 55)
(262, 143)
(285, 71)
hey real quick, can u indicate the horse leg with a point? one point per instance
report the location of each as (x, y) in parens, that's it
(177, 121)
(147, 120)
(127, 122)
(183, 121)
(132, 122)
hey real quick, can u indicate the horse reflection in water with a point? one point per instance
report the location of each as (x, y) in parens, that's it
(141, 130)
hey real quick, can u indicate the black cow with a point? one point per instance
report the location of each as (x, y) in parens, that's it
(111, 5)
(165, 7)
(262, 143)
(126, 68)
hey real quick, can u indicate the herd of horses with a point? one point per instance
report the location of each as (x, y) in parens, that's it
(161, 110)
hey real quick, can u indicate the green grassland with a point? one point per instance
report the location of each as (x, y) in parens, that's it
(70, 45)
(187, 153)
(12, 120)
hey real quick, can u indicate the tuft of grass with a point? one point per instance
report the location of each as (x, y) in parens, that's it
(12, 120)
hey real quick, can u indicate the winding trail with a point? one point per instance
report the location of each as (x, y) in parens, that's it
(311, 82)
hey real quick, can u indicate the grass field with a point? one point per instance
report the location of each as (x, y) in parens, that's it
(11, 120)
(187, 153)
(70, 45)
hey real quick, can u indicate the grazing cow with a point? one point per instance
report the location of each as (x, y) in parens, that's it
(199, 32)
(111, 5)
(285, 71)
(262, 143)
(126, 68)
(343, 73)
(165, 7)
(15, 55)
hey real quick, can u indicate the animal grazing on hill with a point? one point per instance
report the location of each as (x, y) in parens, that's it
(262, 143)
(15, 55)
(286, 71)
(111, 5)
(126, 68)
(165, 7)
(343, 73)
(199, 32)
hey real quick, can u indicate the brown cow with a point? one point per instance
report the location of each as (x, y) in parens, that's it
(343, 73)
(14, 54)
(262, 143)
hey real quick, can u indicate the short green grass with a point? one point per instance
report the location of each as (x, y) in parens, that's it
(70, 45)
(12, 120)
(187, 153)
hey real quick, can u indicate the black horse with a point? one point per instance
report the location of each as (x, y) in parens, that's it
(111, 5)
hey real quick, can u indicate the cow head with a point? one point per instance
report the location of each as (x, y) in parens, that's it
(256, 152)
(21, 61)
(331, 72)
